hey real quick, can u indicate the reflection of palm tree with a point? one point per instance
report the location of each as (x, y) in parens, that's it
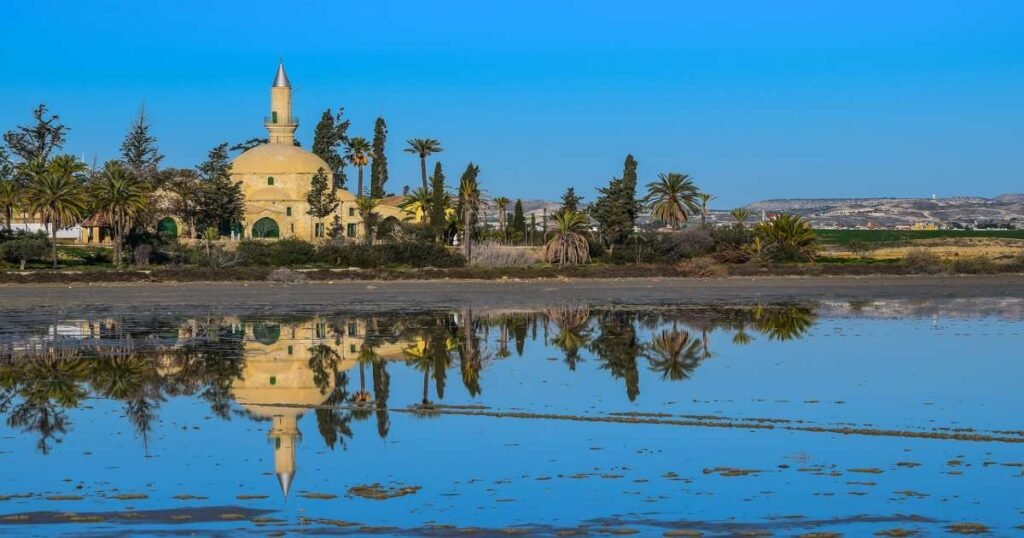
(741, 338)
(50, 383)
(366, 354)
(573, 331)
(332, 424)
(419, 356)
(674, 354)
(323, 361)
(783, 323)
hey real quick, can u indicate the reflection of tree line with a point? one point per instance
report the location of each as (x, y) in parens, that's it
(41, 381)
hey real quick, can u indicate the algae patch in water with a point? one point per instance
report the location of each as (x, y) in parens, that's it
(378, 492)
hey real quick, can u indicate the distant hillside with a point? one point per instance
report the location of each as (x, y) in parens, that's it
(973, 211)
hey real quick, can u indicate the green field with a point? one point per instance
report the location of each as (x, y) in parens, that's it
(845, 237)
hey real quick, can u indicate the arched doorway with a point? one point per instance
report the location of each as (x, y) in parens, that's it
(167, 228)
(265, 228)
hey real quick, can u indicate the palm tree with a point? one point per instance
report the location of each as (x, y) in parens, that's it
(358, 152)
(418, 201)
(740, 215)
(704, 199)
(672, 199)
(424, 147)
(470, 200)
(10, 201)
(366, 207)
(569, 245)
(56, 195)
(788, 237)
(119, 197)
(502, 203)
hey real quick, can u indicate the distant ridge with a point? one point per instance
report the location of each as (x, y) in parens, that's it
(1006, 210)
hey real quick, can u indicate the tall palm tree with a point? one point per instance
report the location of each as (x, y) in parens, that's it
(424, 147)
(358, 152)
(502, 203)
(56, 195)
(470, 200)
(704, 198)
(569, 245)
(740, 215)
(672, 199)
(119, 197)
(418, 201)
(367, 210)
(10, 201)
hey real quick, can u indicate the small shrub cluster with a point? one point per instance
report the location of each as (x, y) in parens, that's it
(923, 262)
(286, 252)
(23, 247)
(702, 267)
(977, 265)
(666, 248)
(413, 254)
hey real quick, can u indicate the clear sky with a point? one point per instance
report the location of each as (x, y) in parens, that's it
(755, 99)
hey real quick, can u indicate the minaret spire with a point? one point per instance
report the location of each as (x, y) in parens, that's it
(281, 124)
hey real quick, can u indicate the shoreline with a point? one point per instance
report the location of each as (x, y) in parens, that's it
(377, 295)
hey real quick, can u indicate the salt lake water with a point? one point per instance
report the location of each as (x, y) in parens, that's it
(848, 418)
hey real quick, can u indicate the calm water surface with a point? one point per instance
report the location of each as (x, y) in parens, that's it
(778, 419)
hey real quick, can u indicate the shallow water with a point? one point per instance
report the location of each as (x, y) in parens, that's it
(781, 419)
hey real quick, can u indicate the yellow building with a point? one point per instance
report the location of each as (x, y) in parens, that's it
(276, 178)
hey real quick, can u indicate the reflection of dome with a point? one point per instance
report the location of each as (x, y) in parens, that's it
(270, 159)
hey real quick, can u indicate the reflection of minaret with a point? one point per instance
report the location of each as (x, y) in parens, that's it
(285, 433)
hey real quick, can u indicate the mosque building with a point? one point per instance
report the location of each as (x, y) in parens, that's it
(276, 178)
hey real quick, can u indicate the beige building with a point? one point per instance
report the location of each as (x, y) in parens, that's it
(276, 179)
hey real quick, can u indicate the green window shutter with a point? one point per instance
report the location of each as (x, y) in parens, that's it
(351, 211)
(351, 229)
(273, 117)
(270, 181)
(288, 211)
(273, 380)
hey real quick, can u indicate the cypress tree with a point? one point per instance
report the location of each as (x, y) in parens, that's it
(519, 220)
(616, 207)
(138, 150)
(331, 132)
(438, 202)
(379, 166)
(570, 200)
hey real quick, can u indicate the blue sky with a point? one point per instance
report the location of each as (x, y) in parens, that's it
(753, 99)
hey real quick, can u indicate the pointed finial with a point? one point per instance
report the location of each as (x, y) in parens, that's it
(281, 79)
(285, 480)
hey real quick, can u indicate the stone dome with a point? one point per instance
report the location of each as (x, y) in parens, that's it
(270, 159)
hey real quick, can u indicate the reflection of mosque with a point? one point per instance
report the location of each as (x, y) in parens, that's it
(279, 383)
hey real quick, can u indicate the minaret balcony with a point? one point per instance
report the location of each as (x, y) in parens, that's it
(280, 120)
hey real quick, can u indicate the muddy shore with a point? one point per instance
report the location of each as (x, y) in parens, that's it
(390, 295)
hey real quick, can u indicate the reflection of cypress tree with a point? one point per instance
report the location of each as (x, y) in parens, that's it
(470, 361)
(617, 347)
(519, 326)
(381, 391)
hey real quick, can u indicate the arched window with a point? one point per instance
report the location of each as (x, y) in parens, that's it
(167, 228)
(265, 228)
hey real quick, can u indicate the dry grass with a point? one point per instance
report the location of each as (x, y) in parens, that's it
(494, 255)
(945, 248)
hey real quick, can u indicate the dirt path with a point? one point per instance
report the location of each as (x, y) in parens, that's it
(389, 295)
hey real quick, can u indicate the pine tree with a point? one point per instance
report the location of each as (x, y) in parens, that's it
(379, 166)
(138, 150)
(616, 207)
(331, 132)
(38, 141)
(322, 198)
(221, 202)
(438, 202)
(570, 200)
(519, 220)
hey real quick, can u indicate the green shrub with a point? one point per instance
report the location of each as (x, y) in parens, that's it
(414, 254)
(285, 252)
(922, 261)
(23, 247)
(662, 248)
(731, 238)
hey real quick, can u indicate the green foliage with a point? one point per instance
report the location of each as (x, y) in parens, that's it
(221, 203)
(24, 247)
(518, 226)
(788, 238)
(922, 261)
(423, 147)
(322, 198)
(673, 198)
(663, 248)
(438, 202)
(973, 265)
(37, 141)
(570, 200)
(569, 244)
(413, 254)
(616, 207)
(379, 166)
(138, 150)
(358, 153)
(731, 242)
(118, 197)
(331, 132)
(286, 252)
(844, 237)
